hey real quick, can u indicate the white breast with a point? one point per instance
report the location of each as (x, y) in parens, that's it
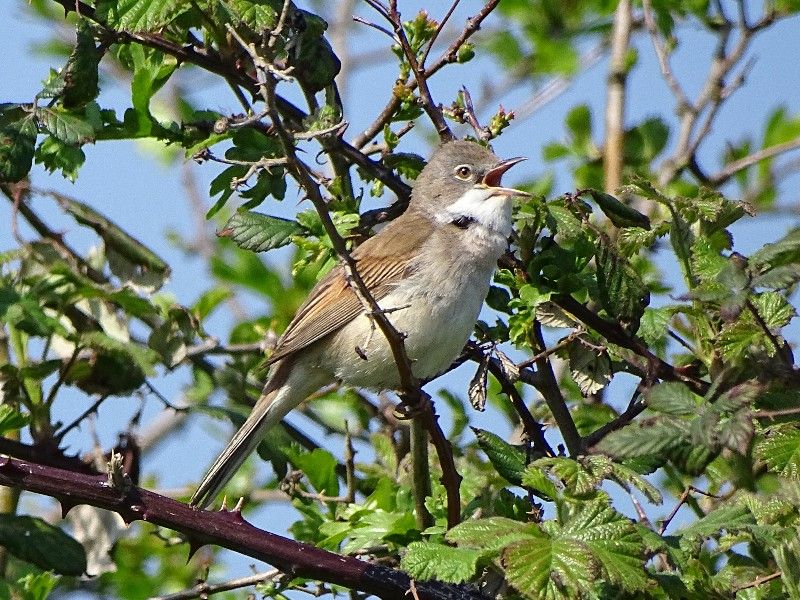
(436, 307)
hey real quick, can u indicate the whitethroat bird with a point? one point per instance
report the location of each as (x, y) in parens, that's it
(429, 269)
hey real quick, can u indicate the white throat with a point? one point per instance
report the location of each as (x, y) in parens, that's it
(486, 210)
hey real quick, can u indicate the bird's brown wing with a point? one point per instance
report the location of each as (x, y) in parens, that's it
(382, 261)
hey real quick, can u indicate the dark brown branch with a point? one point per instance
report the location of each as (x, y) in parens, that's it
(224, 528)
(615, 334)
(551, 392)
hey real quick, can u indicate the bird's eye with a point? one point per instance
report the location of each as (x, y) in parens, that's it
(463, 172)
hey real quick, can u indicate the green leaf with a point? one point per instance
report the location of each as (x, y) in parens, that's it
(774, 309)
(782, 252)
(17, 145)
(35, 541)
(258, 232)
(492, 534)
(673, 398)
(426, 560)
(140, 15)
(25, 313)
(535, 478)
(320, 468)
(37, 586)
(579, 124)
(780, 449)
(658, 438)
(622, 292)
(66, 127)
(507, 459)
(590, 369)
(613, 541)
(549, 568)
(11, 420)
(620, 214)
(80, 75)
(258, 15)
(56, 155)
(580, 477)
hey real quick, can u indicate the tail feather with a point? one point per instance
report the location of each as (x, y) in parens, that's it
(285, 389)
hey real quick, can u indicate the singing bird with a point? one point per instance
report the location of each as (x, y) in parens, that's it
(430, 270)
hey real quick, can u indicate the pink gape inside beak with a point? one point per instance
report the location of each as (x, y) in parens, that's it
(494, 176)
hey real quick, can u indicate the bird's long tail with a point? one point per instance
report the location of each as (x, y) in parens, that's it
(275, 402)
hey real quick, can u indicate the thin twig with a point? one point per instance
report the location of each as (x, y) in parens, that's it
(205, 589)
(429, 106)
(681, 501)
(758, 581)
(450, 55)
(613, 154)
(734, 167)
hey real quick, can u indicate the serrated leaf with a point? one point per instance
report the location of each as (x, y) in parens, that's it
(67, 127)
(672, 398)
(536, 479)
(548, 568)
(580, 477)
(259, 15)
(507, 459)
(17, 146)
(774, 309)
(491, 534)
(426, 560)
(654, 324)
(780, 449)
(590, 369)
(566, 223)
(655, 437)
(628, 478)
(784, 251)
(258, 232)
(140, 15)
(622, 292)
(35, 541)
(613, 541)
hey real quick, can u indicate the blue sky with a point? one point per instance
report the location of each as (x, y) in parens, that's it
(134, 187)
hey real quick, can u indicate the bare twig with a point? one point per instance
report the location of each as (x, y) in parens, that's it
(681, 501)
(759, 580)
(735, 166)
(615, 96)
(205, 589)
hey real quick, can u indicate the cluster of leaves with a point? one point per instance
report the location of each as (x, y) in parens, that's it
(717, 384)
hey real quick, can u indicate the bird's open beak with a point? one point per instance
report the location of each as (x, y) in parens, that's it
(495, 174)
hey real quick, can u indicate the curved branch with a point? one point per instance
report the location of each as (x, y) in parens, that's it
(223, 528)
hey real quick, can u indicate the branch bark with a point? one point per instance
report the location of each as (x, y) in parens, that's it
(223, 528)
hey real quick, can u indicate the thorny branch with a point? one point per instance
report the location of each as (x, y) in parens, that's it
(411, 391)
(223, 528)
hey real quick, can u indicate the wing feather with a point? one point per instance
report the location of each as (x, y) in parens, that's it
(382, 261)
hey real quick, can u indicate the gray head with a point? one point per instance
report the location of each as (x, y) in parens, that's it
(455, 169)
